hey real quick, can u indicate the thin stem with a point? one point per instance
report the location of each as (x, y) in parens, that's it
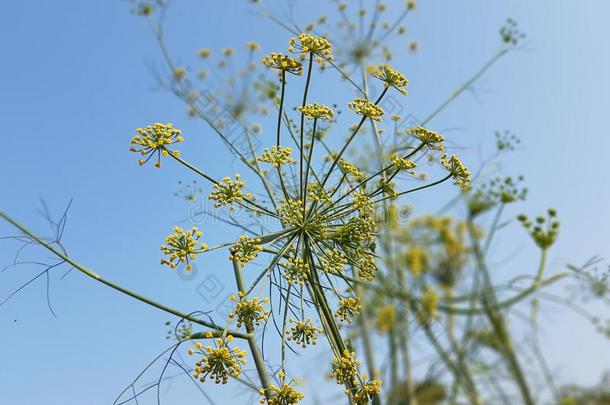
(97, 277)
(302, 135)
(256, 354)
(281, 108)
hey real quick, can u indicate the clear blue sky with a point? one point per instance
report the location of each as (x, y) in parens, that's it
(75, 81)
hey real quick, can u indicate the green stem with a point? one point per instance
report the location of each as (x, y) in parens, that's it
(302, 135)
(90, 273)
(256, 354)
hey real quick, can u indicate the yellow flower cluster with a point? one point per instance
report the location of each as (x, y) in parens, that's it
(351, 169)
(345, 368)
(277, 156)
(333, 261)
(367, 392)
(348, 308)
(219, 362)
(386, 318)
(429, 138)
(358, 229)
(391, 78)
(182, 246)
(388, 187)
(291, 212)
(204, 53)
(362, 202)
(316, 192)
(417, 260)
(245, 250)
(429, 304)
(284, 63)
(456, 168)
(308, 43)
(249, 312)
(296, 270)
(402, 164)
(155, 138)
(317, 111)
(365, 263)
(286, 395)
(364, 107)
(303, 333)
(228, 192)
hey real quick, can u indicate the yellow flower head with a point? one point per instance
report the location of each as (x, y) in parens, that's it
(317, 111)
(367, 392)
(362, 202)
(391, 78)
(417, 260)
(303, 332)
(402, 164)
(345, 368)
(228, 192)
(245, 250)
(348, 308)
(296, 270)
(428, 305)
(291, 212)
(253, 46)
(351, 169)
(155, 138)
(364, 107)
(310, 43)
(218, 362)
(460, 173)
(333, 261)
(204, 53)
(429, 138)
(277, 156)
(284, 63)
(182, 247)
(365, 263)
(284, 395)
(249, 312)
(386, 318)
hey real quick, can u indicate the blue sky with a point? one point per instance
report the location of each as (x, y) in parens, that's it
(76, 80)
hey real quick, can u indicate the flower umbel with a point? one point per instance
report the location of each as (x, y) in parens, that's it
(345, 368)
(333, 261)
(348, 308)
(245, 250)
(228, 192)
(364, 107)
(296, 271)
(317, 111)
(284, 395)
(249, 312)
(391, 78)
(367, 392)
(429, 138)
(456, 168)
(310, 43)
(182, 246)
(283, 63)
(403, 164)
(218, 362)
(304, 333)
(155, 138)
(277, 156)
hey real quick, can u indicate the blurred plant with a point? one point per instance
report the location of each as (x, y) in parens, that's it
(327, 231)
